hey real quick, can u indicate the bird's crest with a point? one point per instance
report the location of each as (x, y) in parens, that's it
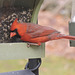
(15, 21)
(14, 24)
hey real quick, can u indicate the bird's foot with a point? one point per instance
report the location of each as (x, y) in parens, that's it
(32, 44)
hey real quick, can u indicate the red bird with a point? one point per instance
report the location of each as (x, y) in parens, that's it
(34, 33)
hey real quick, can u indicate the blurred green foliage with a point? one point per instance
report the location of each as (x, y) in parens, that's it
(12, 65)
(51, 65)
(57, 66)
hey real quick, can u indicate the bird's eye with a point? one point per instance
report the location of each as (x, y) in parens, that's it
(9, 31)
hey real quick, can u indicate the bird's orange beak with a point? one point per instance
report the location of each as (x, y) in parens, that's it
(12, 34)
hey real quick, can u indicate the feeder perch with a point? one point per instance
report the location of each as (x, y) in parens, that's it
(72, 24)
(25, 11)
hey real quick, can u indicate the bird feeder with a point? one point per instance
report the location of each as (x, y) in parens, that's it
(72, 24)
(25, 11)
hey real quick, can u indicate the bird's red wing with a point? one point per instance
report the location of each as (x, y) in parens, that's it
(39, 31)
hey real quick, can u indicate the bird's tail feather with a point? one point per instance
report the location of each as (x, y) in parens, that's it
(68, 37)
(61, 36)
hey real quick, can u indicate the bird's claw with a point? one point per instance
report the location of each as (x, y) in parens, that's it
(32, 44)
(28, 45)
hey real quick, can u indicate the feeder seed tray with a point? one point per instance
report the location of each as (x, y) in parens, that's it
(7, 17)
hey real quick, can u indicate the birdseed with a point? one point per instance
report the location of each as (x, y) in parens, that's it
(7, 17)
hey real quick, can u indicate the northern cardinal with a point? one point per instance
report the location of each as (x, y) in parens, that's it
(34, 33)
